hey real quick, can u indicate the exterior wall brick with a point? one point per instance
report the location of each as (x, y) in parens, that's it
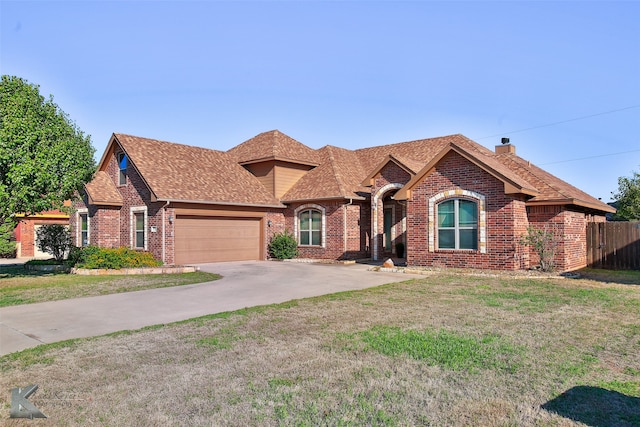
(569, 229)
(341, 241)
(505, 217)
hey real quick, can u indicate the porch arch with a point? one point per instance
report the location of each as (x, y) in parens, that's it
(377, 208)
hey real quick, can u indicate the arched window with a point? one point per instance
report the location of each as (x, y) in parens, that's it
(457, 224)
(310, 227)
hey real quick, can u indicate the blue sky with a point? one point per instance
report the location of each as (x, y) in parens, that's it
(350, 74)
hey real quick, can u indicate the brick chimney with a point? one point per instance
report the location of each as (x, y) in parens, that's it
(505, 147)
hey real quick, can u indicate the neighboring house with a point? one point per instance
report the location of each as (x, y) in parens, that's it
(27, 227)
(450, 201)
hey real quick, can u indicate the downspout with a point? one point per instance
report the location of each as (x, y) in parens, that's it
(344, 223)
(164, 209)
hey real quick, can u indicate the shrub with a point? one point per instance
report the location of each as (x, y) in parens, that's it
(93, 257)
(283, 246)
(7, 244)
(544, 244)
(54, 239)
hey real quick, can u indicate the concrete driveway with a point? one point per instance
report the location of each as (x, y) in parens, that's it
(244, 284)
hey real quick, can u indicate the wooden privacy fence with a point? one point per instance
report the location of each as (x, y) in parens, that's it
(613, 245)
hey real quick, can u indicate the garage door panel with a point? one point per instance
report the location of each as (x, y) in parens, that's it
(211, 239)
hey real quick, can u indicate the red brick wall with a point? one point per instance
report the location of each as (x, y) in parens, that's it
(505, 219)
(338, 245)
(569, 228)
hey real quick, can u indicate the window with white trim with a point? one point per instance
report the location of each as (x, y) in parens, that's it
(138, 227)
(310, 227)
(82, 227)
(457, 224)
(83, 224)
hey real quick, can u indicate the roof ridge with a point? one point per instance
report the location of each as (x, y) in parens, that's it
(336, 171)
(167, 142)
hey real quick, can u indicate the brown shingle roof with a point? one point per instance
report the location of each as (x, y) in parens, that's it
(102, 190)
(181, 172)
(273, 145)
(551, 189)
(339, 176)
(184, 173)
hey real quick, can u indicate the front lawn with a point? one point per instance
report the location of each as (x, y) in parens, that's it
(446, 350)
(21, 286)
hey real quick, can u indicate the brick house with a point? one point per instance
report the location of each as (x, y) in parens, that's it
(447, 201)
(26, 229)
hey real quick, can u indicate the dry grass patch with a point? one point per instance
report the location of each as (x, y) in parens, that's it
(444, 350)
(20, 286)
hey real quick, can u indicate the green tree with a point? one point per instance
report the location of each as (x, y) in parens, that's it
(7, 245)
(54, 239)
(44, 157)
(628, 198)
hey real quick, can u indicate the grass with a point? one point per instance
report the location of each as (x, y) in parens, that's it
(20, 286)
(444, 350)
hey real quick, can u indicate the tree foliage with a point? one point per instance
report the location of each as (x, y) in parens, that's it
(54, 239)
(628, 198)
(44, 157)
(7, 244)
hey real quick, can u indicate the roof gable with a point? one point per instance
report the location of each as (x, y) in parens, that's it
(512, 182)
(408, 165)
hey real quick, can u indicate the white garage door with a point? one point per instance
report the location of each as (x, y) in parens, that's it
(216, 239)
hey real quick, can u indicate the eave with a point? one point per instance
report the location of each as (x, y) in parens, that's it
(207, 202)
(288, 201)
(278, 159)
(575, 202)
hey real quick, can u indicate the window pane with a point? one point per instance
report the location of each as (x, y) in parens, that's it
(122, 161)
(304, 221)
(315, 235)
(304, 237)
(445, 214)
(446, 239)
(139, 222)
(468, 213)
(139, 239)
(316, 220)
(469, 239)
